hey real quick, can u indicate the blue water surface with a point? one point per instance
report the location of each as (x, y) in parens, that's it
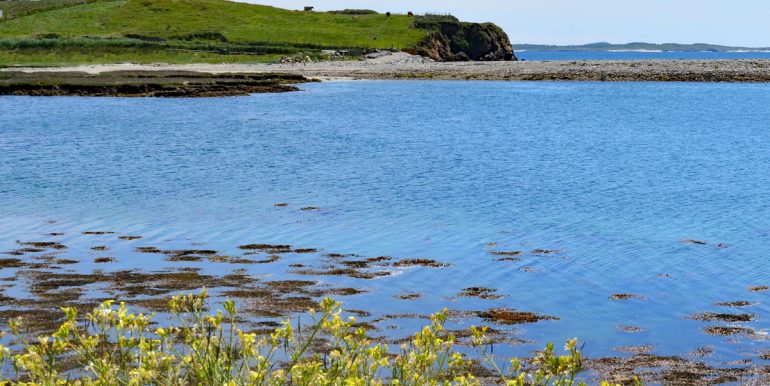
(609, 177)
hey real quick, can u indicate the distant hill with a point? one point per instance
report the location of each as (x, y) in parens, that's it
(636, 46)
(44, 32)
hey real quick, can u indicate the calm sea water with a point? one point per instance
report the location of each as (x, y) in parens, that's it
(612, 175)
(633, 55)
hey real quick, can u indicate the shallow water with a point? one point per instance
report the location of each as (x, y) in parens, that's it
(638, 55)
(610, 177)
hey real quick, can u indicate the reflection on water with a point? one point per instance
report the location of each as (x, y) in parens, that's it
(634, 216)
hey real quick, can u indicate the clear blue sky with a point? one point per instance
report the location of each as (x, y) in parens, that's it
(728, 22)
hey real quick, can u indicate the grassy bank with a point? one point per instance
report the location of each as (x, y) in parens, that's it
(183, 31)
(112, 346)
(76, 56)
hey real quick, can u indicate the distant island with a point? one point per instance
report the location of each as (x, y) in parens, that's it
(636, 46)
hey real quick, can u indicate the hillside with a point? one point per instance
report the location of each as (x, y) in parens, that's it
(76, 31)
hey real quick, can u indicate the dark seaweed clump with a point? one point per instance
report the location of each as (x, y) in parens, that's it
(11, 263)
(739, 303)
(44, 244)
(667, 370)
(480, 292)
(633, 329)
(508, 316)
(722, 317)
(728, 330)
(617, 297)
(507, 253)
(270, 248)
(644, 349)
(420, 262)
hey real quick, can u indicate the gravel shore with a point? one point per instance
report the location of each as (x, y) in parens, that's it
(404, 66)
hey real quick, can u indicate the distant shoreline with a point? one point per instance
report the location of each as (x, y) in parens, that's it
(404, 66)
(644, 50)
(638, 47)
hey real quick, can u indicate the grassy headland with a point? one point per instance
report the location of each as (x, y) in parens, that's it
(213, 20)
(52, 32)
(56, 32)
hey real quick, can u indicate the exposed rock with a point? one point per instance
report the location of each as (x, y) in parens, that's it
(144, 84)
(452, 40)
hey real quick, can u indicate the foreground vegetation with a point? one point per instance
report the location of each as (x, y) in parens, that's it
(112, 346)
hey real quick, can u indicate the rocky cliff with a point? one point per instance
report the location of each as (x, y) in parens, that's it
(452, 40)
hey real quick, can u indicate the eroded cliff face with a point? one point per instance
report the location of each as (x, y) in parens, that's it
(451, 40)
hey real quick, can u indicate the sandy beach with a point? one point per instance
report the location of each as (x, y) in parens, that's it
(405, 66)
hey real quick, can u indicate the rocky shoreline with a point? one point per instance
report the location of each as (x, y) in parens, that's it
(161, 83)
(404, 66)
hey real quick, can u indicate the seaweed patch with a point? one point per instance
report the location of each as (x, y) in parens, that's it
(480, 292)
(508, 316)
(619, 297)
(722, 317)
(420, 262)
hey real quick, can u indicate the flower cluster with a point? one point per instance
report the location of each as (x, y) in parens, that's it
(112, 346)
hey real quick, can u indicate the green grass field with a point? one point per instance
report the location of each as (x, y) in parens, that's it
(75, 56)
(14, 9)
(220, 23)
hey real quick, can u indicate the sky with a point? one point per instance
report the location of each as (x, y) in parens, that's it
(727, 22)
